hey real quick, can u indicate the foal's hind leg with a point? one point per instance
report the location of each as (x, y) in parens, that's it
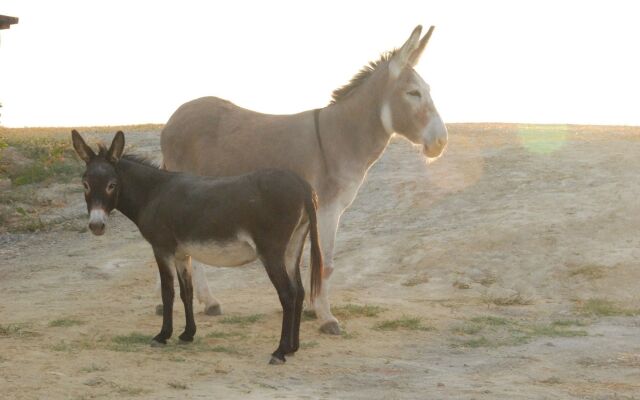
(164, 260)
(293, 256)
(183, 269)
(159, 308)
(275, 266)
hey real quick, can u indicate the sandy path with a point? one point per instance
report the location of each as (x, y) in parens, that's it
(504, 216)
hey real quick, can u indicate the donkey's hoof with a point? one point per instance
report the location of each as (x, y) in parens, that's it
(213, 309)
(276, 361)
(157, 343)
(159, 309)
(330, 328)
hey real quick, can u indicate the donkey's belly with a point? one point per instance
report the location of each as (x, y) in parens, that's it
(231, 253)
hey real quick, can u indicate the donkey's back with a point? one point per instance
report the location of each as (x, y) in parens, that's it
(214, 137)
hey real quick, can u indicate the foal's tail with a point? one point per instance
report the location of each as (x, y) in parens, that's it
(310, 205)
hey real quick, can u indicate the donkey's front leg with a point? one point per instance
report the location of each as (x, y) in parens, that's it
(328, 219)
(183, 269)
(164, 260)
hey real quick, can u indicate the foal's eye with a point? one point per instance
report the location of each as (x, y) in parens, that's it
(414, 93)
(111, 187)
(86, 186)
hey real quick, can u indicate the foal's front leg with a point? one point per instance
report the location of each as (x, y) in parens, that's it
(164, 260)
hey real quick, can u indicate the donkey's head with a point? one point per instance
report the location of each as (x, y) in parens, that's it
(407, 108)
(101, 182)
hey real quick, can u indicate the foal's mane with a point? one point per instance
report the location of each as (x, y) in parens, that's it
(362, 75)
(137, 158)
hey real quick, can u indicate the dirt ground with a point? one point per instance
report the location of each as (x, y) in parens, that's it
(507, 269)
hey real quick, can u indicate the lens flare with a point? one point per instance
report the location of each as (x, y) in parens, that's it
(543, 139)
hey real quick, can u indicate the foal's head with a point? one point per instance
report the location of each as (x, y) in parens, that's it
(101, 182)
(407, 107)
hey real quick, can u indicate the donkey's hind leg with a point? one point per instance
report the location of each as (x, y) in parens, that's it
(183, 269)
(203, 293)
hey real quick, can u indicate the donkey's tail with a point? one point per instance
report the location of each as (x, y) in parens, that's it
(311, 205)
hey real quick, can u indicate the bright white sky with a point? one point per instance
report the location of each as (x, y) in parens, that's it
(76, 63)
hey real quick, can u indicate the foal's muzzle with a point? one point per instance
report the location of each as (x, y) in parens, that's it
(97, 221)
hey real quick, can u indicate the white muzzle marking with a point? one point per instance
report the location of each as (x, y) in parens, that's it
(435, 137)
(97, 221)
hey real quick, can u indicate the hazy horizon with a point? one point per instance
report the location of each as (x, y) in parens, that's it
(72, 63)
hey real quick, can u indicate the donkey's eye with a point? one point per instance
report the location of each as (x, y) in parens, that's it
(111, 187)
(414, 93)
(86, 186)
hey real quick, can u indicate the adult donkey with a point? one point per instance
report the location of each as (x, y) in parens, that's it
(332, 148)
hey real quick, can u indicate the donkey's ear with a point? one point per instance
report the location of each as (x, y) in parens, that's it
(117, 147)
(81, 147)
(403, 55)
(415, 56)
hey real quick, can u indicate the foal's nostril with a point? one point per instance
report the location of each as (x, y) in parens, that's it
(97, 228)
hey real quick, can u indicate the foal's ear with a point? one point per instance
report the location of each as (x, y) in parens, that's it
(117, 147)
(403, 55)
(81, 147)
(415, 56)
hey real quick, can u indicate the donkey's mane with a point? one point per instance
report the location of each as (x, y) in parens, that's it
(360, 77)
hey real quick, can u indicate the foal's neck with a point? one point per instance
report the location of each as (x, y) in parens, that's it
(139, 184)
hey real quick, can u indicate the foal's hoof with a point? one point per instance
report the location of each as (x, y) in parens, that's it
(157, 343)
(185, 339)
(276, 361)
(159, 309)
(330, 328)
(213, 309)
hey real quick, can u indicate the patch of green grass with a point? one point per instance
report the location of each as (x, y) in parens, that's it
(309, 345)
(404, 322)
(490, 331)
(242, 320)
(475, 343)
(224, 335)
(47, 158)
(63, 346)
(308, 315)
(93, 368)
(177, 385)
(416, 280)
(65, 322)
(587, 271)
(490, 320)
(132, 342)
(569, 322)
(16, 331)
(75, 345)
(355, 310)
(605, 308)
(129, 390)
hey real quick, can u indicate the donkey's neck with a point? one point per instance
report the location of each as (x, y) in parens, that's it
(353, 129)
(138, 186)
